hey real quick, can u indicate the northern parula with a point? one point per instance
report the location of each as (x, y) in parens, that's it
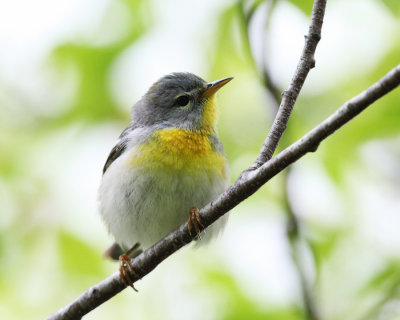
(166, 162)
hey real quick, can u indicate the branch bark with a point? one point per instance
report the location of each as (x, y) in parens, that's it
(293, 231)
(289, 97)
(243, 187)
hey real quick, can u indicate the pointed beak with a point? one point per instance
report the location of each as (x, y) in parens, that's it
(213, 87)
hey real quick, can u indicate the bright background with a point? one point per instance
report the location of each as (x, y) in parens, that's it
(71, 70)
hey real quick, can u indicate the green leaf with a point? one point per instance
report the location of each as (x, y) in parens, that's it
(393, 6)
(93, 63)
(379, 121)
(77, 257)
(228, 47)
(304, 5)
(242, 307)
(386, 279)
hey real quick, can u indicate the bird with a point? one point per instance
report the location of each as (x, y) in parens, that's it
(165, 165)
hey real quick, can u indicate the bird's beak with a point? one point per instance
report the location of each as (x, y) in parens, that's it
(213, 87)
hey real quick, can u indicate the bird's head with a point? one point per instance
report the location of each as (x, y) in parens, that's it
(179, 100)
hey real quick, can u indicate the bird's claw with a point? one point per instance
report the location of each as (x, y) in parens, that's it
(194, 221)
(126, 271)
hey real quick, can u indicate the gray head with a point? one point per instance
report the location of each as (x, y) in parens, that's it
(177, 100)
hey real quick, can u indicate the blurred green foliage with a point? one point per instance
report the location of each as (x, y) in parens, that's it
(93, 64)
(305, 6)
(51, 241)
(242, 307)
(393, 6)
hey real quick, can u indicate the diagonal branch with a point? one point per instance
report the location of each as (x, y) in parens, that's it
(289, 97)
(243, 187)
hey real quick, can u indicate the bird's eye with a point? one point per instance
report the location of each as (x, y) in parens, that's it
(182, 101)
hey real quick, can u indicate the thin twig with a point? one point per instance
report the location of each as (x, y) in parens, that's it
(294, 235)
(263, 74)
(268, 81)
(243, 187)
(293, 230)
(306, 63)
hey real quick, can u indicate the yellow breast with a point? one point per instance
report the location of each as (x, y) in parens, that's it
(180, 150)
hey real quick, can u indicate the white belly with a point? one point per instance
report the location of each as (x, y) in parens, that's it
(145, 207)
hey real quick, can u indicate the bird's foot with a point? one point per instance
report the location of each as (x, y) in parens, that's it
(194, 221)
(126, 271)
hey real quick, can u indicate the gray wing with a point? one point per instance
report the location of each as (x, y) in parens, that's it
(118, 149)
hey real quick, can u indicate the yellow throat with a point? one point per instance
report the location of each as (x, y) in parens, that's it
(184, 150)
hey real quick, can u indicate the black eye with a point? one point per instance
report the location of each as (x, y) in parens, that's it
(182, 100)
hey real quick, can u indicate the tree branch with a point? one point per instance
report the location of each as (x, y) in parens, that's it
(289, 97)
(293, 231)
(243, 187)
